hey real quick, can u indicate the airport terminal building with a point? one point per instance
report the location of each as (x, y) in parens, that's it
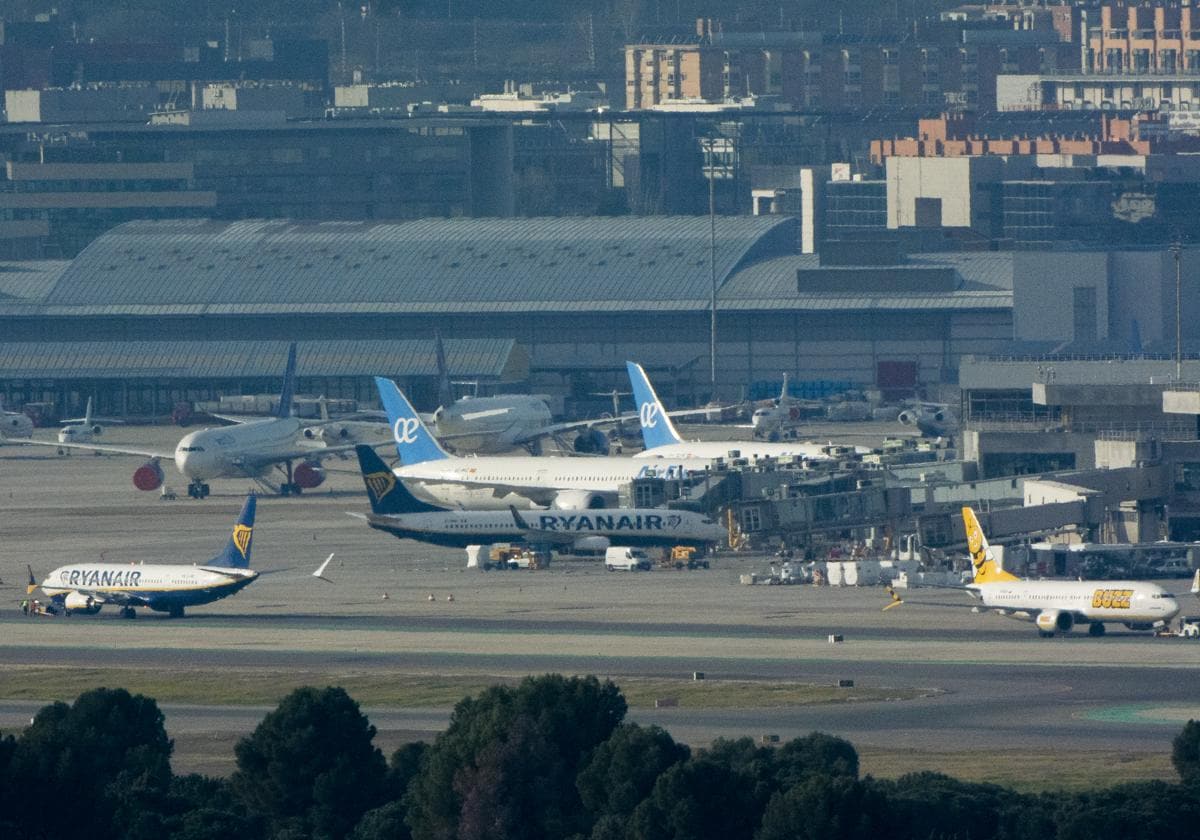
(559, 304)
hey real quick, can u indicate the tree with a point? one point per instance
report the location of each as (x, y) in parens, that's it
(310, 767)
(107, 754)
(1185, 753)
(528, 741)
(827, 807)
(383, 823)
(1138, 811)
(815, 754)
(622, 771)
(934, 805)
(698, 799)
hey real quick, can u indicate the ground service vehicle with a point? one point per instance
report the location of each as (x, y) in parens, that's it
(624, 558)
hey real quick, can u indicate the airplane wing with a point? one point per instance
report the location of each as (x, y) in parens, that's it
(572, 425)
(121, 599)
(96, 447)
(253, 465)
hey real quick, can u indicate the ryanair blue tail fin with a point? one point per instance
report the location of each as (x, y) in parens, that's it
(414, 443)
(237, 551)
(657, 428)
(289, 384)
(387, 494)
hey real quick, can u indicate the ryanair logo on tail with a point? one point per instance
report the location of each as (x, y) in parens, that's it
(380, 483)
(241, 537)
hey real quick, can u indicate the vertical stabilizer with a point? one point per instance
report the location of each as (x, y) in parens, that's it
(237, 551)
(983, 563)
(657, 428)
(387, 494)
(445, 391)
(414, 443)
(783, 392)
(289, 384)
(87, 414)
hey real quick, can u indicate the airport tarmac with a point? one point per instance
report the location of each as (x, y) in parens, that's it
(996, 685)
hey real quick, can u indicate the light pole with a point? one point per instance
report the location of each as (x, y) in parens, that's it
(712, 270)
(1177, 251)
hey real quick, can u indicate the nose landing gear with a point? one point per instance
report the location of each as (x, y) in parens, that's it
(198, 490)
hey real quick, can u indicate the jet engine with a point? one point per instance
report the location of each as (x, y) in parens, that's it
(308, 475)
(1052, 621)
(149, 476)
(97, 429)
(574, 499)
(78, 602)
(908, 417)
(591, 442)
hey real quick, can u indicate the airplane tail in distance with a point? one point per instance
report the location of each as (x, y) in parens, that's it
(657, 428)
(289, 384)
(783, 392)
(984, 564)
(237, 551)
(387, 494)
(87, 414)
(414, 443)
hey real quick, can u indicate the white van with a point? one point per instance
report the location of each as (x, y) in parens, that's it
(626, 559)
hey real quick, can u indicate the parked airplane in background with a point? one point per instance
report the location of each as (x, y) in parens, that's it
(395, 510)
(498, 481)
(662, 441)
(169, 588)
(84, 429)
(783, 411)
(14, 424)
(932, 419)
(1058, 605)
(248, 450)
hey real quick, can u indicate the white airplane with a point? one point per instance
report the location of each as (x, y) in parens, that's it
(662, 441)
(498, 482)
(1058, 605)
(169, 588)
(84, 429)
(14, 424)
(248, 450)
(395, 510)
(932, 419)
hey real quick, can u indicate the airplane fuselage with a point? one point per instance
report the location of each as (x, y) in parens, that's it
(628, 526)
(487, 424)
(158, 586)
(1118, 601)
(529, 481)
(750, 449)
(77, 433)
(236, 450)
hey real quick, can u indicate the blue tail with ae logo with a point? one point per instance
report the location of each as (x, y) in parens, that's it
(414, 443)
(657, 429)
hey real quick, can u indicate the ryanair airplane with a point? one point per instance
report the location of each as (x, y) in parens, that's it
(169, 588)
(1058, 605)
(395, 510)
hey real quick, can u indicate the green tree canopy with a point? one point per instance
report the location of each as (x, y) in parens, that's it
(510, 758)
(107, 754)
(310, 766)
(1185, 753)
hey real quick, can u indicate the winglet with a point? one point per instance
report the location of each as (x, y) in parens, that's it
(414, 443)
(320, 572)
(237, 551)
(1195, 583)
(657, 428)
(518, 519)
(984, 564)
(387, 494)
(289, 384)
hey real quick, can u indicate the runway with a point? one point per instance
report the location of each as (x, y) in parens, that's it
(998, 686)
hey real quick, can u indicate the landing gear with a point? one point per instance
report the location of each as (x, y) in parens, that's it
(175, 611)
(1045, 634)
(289, 488)
(1096, 629)
(198, 490)
(128, 612)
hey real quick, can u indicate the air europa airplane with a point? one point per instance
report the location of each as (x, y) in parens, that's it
(1058, 605)
(395, 510)
(169, 588)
